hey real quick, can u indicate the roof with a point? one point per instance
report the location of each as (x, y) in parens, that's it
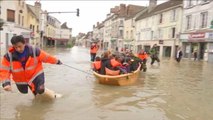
(132, 14)
(164, 6)
(64, 26)
(33, 10)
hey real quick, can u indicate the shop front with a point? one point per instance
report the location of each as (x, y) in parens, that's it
(200, 42)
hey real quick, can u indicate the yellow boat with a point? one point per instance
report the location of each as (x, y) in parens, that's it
(118, 80)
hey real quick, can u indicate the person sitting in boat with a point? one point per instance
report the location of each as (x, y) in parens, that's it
(105, 62)
(116, 64)
(97, 64)
(127, 64)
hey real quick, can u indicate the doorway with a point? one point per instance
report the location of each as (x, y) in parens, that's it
(202, 50)
(167, 51)
(146, 48)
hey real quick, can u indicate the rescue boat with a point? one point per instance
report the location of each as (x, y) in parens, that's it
(118, 80)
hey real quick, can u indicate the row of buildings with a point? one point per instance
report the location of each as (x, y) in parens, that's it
(36, 25)
(174, 23)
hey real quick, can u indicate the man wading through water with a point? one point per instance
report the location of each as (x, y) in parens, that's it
(24, 63)
(154, 54)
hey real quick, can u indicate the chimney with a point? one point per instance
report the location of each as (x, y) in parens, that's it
(97, 24)
(37, 5)
(122, 9)
(152, 5)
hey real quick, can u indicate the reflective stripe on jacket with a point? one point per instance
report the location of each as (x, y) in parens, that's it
(33, 67)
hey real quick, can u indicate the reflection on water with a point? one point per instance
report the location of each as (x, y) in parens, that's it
(170, 91)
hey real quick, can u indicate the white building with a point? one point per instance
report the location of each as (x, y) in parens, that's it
(107, 31)
(161, 25)
(196, 31)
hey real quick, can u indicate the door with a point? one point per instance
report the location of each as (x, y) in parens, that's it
(202, 50)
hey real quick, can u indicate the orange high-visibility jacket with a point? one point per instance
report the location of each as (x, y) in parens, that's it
(115, 63)
(143, 56)
(97, 65)
(33, 68)
(94, 49)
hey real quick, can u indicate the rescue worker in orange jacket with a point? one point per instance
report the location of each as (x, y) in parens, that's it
(143, 56)
(24, 63)
(93, 50)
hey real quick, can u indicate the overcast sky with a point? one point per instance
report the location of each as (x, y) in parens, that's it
(91, 12)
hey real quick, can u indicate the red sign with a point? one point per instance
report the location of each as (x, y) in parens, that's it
(197, 35)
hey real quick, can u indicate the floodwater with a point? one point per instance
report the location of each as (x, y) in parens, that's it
(170, 91)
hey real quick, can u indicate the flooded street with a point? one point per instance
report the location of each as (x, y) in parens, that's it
(170, 92)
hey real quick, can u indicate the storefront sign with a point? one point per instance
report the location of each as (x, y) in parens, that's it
(196, 35)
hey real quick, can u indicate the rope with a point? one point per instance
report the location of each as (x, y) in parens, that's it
(77, 69)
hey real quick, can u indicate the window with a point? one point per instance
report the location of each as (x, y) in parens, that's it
(159, 33)
(204, 17)
(31, 26)
(127, 35)
(173, 15)
(152, 34)
(161, 18)
(189, 3)
(19, 19)
(203, 1)
(173, 32)
(22, 20)
(10, 15)
(37, 29)
(131, 35)
(22, 4)
(139, 35)
(188, 22)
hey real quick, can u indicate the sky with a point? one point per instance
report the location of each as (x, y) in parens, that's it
(91, 12)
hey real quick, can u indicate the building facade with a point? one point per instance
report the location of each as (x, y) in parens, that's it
(197, 34)
(14, 15)
(161, 25)
(129, 27)
(107, 32)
